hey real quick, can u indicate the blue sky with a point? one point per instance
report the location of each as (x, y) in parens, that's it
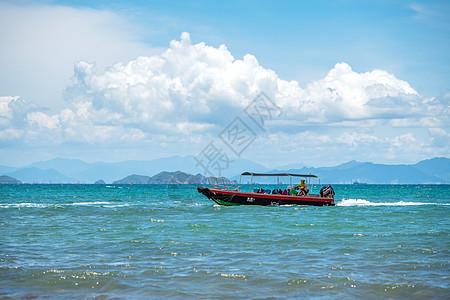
(363, 80)
(407, 38)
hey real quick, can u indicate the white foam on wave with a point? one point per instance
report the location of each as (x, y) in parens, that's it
(100, 203)
(47, 205)
(91, 203)
(363, 202)
(117, 205)
(22, 205)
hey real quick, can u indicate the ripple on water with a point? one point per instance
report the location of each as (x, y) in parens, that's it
(137, 242)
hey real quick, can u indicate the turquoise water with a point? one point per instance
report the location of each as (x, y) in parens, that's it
(145, 241)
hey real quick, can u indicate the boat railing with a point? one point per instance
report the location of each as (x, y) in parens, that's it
(309, 181)
(222, 183)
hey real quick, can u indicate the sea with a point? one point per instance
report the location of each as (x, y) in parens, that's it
(170, 242)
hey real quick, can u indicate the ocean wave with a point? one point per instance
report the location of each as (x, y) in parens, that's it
(47, 205)
(91, 203)
(238, 276)
(25, 205)
(363, 202)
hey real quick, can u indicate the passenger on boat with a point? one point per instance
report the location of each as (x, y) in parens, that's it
(302, 185)
(260, 190)
(284, 192)
(303, 190)
(302, 193)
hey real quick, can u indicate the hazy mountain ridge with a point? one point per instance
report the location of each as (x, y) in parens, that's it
(164, 177)
(37, 175)
(432, 171)
(438, 166)
(8, 180)
(133, 179)
(435, 170)
(74, 170)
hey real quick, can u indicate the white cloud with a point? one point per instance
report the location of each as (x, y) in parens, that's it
(5, 111)
(355, 138)
(346, 95)
(199, 84)
(193, 86)
(403, 140)
(408, 144)
(41, 43)
(440, 138)
(192, 91)
(43, 120)
(13, 111)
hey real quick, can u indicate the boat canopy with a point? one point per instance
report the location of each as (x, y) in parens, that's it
(278, 174)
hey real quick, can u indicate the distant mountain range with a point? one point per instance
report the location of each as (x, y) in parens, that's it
(78, 171)
(436, 170)
(177, 177)
(8, 180)
(164, 170)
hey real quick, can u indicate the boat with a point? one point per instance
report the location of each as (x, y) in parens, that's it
(357, 182)
(224, 192)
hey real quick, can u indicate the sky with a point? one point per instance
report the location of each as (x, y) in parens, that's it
(315, 83)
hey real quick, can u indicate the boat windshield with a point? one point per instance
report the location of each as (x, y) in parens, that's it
(222, 183)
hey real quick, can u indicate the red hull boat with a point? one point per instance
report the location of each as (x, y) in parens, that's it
(222, 192)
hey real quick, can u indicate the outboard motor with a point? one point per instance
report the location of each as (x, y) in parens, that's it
(327, 191)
